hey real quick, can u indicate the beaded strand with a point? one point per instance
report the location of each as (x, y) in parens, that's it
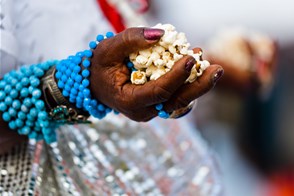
(21, 104)
(74, 81)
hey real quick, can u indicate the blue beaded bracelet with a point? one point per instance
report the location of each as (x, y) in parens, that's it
(73, 79)
(21, 104)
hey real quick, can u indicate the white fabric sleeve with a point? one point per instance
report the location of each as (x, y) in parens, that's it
(8, 43)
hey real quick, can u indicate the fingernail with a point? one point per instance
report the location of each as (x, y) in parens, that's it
(190, 63)
(218, 75)
(153, 34)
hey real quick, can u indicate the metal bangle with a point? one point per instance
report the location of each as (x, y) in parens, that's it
(61, 111)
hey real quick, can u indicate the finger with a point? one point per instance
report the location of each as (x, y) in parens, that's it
(117, 48)
(192, 91)
(160, 90)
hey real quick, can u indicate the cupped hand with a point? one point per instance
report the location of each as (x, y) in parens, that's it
(110, 77)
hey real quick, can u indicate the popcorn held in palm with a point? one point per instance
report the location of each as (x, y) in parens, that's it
(155, 61)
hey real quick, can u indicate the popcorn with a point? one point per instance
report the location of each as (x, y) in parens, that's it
(138, 77)
(156, 61)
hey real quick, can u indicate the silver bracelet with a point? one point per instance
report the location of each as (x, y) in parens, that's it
(61, 111)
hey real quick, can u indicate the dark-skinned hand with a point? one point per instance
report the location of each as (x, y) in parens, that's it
(110, 79)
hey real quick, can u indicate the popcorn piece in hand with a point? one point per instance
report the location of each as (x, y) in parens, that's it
(138, 77)
(159, 59)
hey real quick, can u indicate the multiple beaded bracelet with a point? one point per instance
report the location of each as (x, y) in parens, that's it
(74, 82)
(68, 82)
(21, 103)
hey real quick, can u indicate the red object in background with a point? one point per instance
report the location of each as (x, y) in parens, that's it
(112, 15)
(282, 184)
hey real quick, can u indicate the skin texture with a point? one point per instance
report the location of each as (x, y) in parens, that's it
(110, 81)
(111, 85)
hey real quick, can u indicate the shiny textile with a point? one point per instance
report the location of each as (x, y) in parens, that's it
(114, 156)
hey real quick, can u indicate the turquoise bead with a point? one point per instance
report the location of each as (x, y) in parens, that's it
(2, 84)
(12, 112)
(24, 92)
(12, 125)
(88, 53)
(94, 103)
(78, 78)
(43, 115)
(109, 34)
(70, 82)
(18, 86)
(86, 63)
(60, 84)
(85, 82)
(32, 135)
(58, 75)
(13, 94)
(14, 81)
(65, 93)
(36, 93)
(101, 107)
(2, 95)
(8, 101)
(68, 72)
(130, 64)
(108, 110)
(24, 131)
(87, 101)
(25, 81)
(16, 104)
(81, 87)
(86, 92)
(64, 78)
(73, 91)
(40, 104)
(92, 45)
(159, 107)
(77, 60)
(99, 38)
(76, 85)
(163, 114)
(7, 89)
(19, 123)
(35, 82)
(29, 123)
(31, 89)
(44, 123)
(85, 73)
(24, 109)
(3, 107)
(80, 54)
(71, 66)
(6, 116)
(27, 102)
(21, 115)
(77, 69)
(67, 87)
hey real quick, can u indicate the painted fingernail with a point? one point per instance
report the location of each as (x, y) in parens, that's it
(153, 34)
(190, 63)
(218, 75)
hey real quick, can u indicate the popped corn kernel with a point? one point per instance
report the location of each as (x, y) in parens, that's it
(160, 58)
(138, 77)
(157, 73)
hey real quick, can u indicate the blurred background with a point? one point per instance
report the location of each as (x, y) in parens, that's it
(248, 118)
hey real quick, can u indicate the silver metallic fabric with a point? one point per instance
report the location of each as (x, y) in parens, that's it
(114, 156)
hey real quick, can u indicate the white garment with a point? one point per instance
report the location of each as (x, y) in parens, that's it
(37, 30)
